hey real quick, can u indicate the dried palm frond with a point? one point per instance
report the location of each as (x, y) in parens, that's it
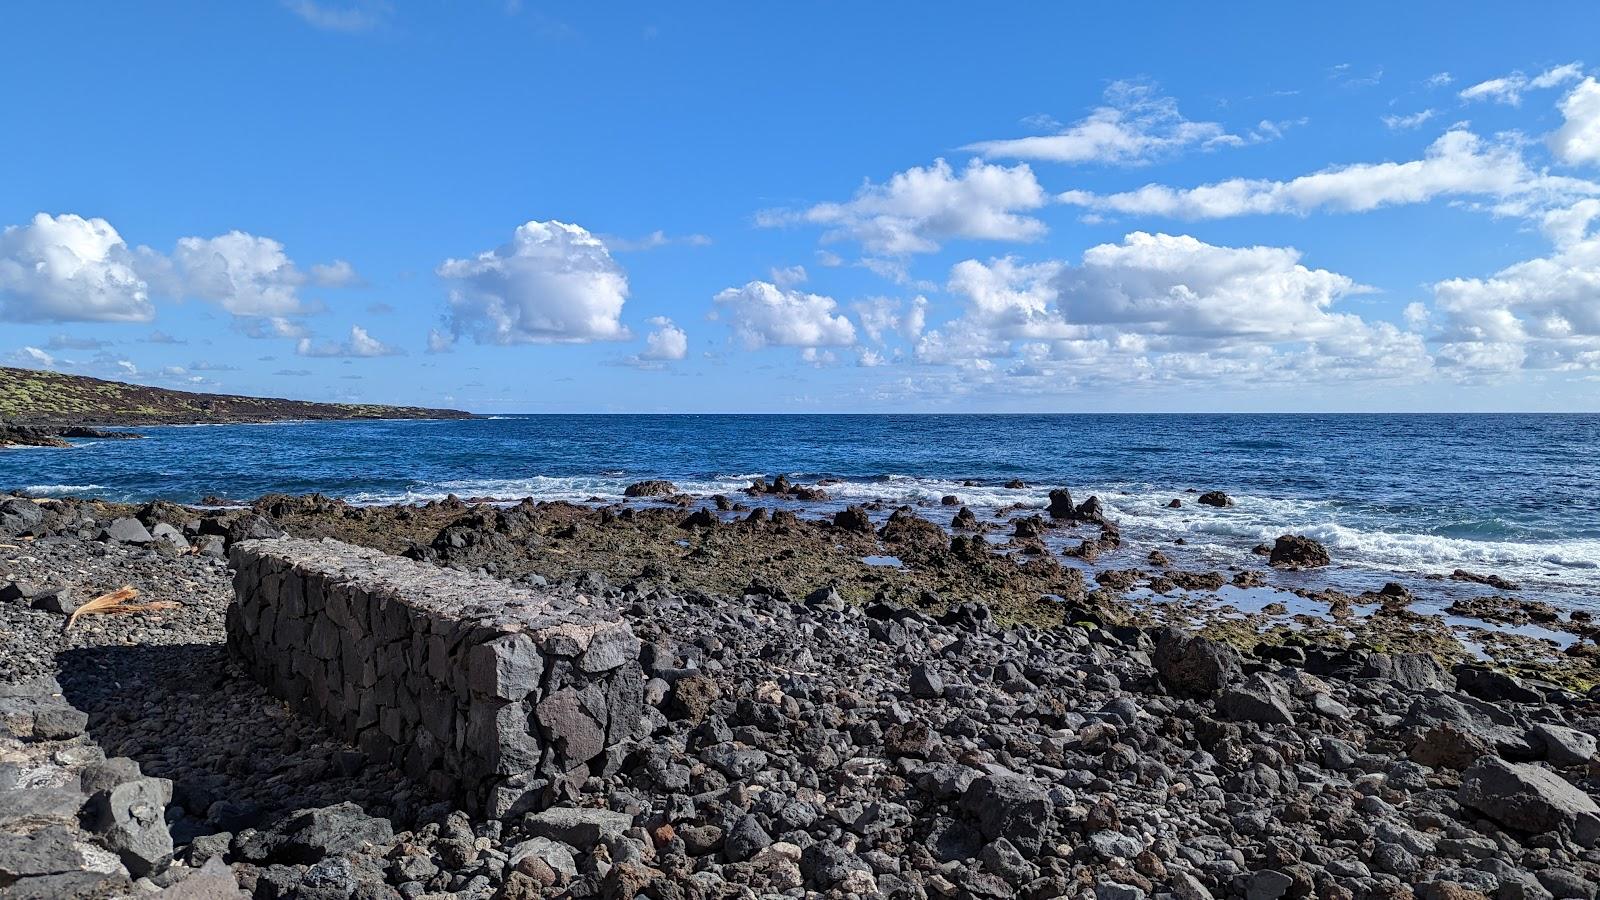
(118, 603)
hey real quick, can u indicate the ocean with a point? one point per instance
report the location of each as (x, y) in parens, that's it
(1392, 496)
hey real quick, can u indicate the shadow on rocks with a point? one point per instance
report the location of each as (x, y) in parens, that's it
(238, 757)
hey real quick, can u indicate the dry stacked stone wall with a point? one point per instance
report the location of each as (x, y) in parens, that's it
(498, 698)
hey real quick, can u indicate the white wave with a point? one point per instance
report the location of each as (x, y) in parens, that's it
(60, 490)
(908, 489)
(1263, 519)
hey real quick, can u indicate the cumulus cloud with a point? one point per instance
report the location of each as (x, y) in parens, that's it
(1510, 88)
(1134, 126)
(1577, 141)
(1164, 307)
(245, 274)
(881, 317)
(762, 314)
(70, 269)
(1459, 164)
(1541, 313)
(918, 208)
(553, 283)
(359, 345)
(665, 343)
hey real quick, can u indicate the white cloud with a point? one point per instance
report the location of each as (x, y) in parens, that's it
(918, 208)
(881, 317)
(667, 342)
(1457, 164)
(1158, 307)
(553, 283)
(1135, 126)
(818, 358)
(1408, 122)
(270, 327)
(440, 341)
(762, 314)
(1541, 313)
(245, 274)
(1439, 80)
(348, 17)
(1577, 141)
(338, 273)
(652, 241)
(789, 277)
(31, 358)
(359, 345)
(1509, 89)
(70, 269)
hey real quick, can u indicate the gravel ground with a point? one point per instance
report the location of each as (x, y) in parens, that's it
(802, 746)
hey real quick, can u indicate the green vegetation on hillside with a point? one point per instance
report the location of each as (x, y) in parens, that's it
(31, 397)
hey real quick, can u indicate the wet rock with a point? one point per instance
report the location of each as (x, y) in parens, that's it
(652, 488)
(1296, 551)
(1214, 498)
(1060, 504)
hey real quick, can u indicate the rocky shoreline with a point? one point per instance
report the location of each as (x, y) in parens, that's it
(986, 717)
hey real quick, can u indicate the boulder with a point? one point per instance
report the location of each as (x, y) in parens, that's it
(130, 819)
(1261, 698)
(654, 487)
(1060, 504)
(1215, 498)
(312, 834)
(126, 530)
(581, 828)
(700, 518)
(169, 535)
(1011, 807)
(1525, 797)
(19, 516)
(1296, 551)
(926, 683)
(1195, 666)
(1409, 671)
(853, 518)
(1562, 746)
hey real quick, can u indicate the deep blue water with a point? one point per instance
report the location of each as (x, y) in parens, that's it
(1517, 494)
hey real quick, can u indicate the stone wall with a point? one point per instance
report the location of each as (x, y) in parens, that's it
(495, 697)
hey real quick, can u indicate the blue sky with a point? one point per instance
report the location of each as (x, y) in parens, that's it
(529, 207)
